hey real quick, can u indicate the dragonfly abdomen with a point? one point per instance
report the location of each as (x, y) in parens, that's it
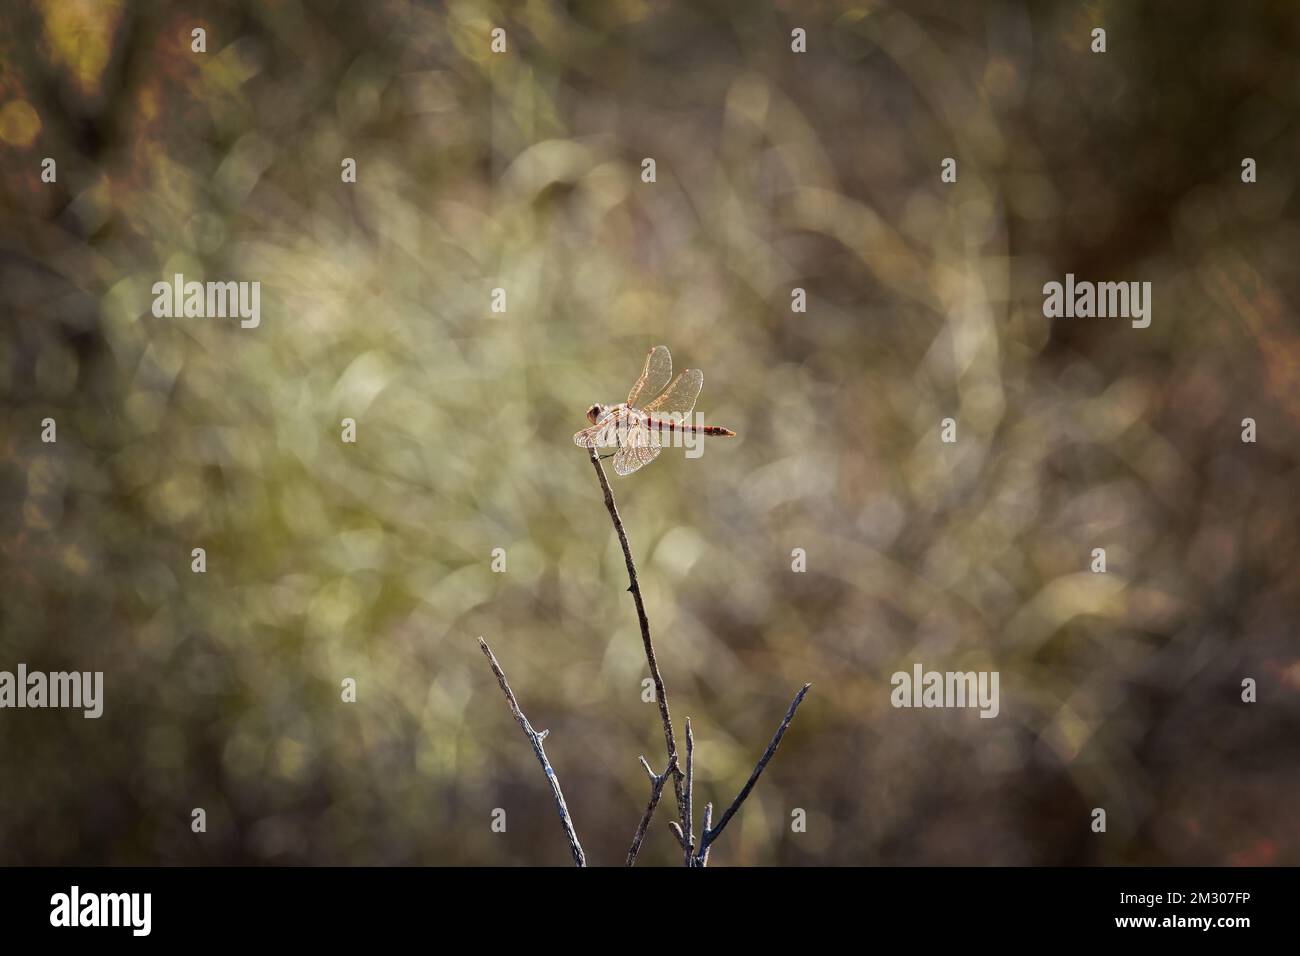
(667, 424)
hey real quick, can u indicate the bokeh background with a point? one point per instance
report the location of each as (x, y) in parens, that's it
(775, 170)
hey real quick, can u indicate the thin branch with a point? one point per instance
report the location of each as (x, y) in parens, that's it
(690, 783)
(683, 783)
(708, 822)
(711, 833)
(661, 695)
(535, 738)
(657, 782)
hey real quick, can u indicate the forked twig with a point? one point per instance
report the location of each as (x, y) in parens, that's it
(677, 832)
(711, 833)
(536, 738)
(708, 822)
(657, 782)
(683, 783)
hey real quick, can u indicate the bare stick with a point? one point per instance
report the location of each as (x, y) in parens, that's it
(661, 695)
(711, 833)
(657, 782)
(535, 738)
(690, 783)
(708, 822)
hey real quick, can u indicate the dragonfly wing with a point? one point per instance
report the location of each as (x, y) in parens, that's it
(658, 370)
(587, 437)
(631, 457)
(603, 434)
(679, 398)
(638, 448)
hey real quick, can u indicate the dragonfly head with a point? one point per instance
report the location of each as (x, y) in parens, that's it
(596, 413)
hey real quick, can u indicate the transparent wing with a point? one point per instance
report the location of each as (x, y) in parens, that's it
(589, 437)
(658, 370)
(679, 398)
(638, 445)
(629, 458)
(603, 434)
(621, 427)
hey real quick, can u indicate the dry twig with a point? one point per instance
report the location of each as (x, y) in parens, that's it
(689, 829)
(709, 833)
(657, 782)
(536, 738)
(683, 783)
(708, 822)
(661, 695)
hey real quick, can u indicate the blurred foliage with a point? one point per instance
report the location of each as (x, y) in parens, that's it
(775, 170)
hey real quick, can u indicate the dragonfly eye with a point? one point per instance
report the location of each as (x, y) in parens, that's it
(593, 413)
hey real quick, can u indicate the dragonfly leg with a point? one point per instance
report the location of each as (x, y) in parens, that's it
(617, 441)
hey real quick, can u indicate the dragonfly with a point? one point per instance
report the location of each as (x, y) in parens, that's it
(638, 426)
